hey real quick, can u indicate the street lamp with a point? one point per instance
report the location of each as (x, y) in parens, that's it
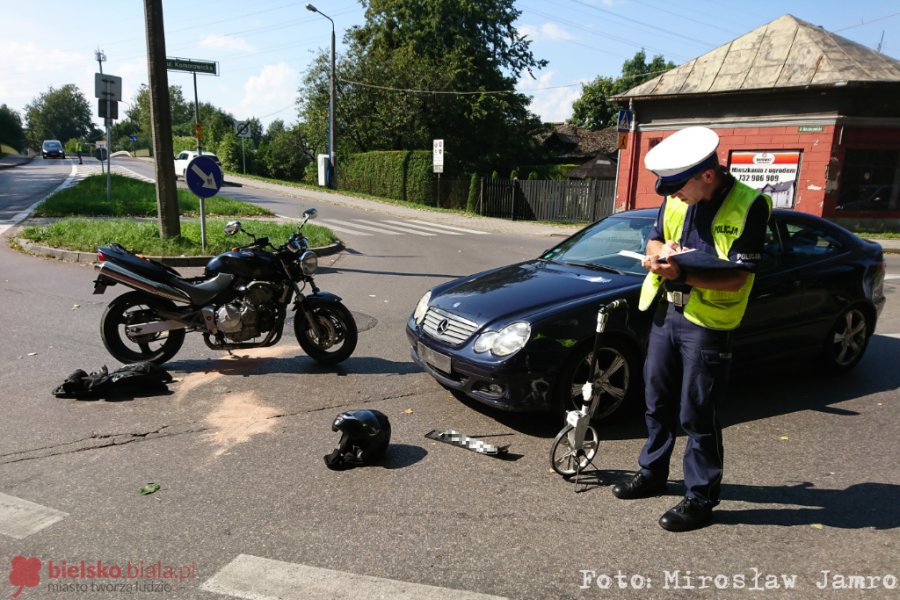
(329, 178)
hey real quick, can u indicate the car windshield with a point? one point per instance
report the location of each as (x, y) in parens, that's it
(51, 144)
(599, 245)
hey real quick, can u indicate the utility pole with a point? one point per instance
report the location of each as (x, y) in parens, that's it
(161, 121)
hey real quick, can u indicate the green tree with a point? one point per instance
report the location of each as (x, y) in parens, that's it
(11, 132)
(449, 47)
(138, 112)
(60, 114)
(284, 153)
(595, 109)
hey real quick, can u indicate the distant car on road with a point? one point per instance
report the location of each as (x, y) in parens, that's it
(520, 337)
(52, 149)
(185, 157)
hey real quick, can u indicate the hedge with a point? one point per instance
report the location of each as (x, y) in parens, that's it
(401, 175)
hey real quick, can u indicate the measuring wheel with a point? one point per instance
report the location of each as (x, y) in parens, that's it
(568, 460)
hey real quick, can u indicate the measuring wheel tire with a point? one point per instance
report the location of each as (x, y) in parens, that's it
(564, 459)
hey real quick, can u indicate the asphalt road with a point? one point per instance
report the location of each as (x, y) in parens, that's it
(247, 508)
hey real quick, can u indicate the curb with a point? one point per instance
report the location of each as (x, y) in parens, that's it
(77, 256)
(10, 162)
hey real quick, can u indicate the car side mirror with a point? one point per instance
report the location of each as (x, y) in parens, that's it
(310, 213)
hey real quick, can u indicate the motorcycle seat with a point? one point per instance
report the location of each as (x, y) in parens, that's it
(201, 293)
(142, 266)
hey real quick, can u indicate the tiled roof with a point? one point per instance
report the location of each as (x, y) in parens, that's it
(579, 140)
(785, 53)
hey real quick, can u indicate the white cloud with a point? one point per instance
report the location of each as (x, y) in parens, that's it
(548, 31)
(226, 42)
(274, 89)
(552, 104)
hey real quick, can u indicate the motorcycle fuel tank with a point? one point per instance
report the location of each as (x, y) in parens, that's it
(246, 264)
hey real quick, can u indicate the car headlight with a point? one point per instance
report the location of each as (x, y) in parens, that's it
(422, 308)
(508, 340)
(309, 262)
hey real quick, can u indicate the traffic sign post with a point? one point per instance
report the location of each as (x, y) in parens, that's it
(242, 130)
(194, 66)
(437, 163)
(203, 177)
(108, 89)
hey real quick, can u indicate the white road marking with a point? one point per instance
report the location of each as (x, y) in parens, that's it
(422, 227)
(330, 225)
(889, 277)
(21, 518)
(365, 227)
(257, 578)
(18, 218)
(402, 228)
(454, 228)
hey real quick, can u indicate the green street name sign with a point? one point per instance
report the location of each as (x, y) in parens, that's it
(191, 66)
(810, 129)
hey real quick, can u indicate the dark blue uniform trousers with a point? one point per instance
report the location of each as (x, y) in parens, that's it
(685, 373)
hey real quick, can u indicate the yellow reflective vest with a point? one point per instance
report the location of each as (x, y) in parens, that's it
(713, 309)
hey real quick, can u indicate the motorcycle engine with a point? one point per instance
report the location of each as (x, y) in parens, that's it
(251, 314)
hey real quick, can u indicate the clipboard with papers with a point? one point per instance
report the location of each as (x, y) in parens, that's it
(693, 260)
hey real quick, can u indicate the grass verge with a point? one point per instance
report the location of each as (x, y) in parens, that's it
(133, 198)
(85, 235)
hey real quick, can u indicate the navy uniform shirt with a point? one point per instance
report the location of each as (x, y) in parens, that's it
(697, 230)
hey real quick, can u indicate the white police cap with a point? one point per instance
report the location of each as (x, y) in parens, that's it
(681, 156)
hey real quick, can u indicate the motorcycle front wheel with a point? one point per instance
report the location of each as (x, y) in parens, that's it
(131, 309)
(338, 333)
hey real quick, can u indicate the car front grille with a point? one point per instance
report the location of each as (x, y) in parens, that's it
(448, 327)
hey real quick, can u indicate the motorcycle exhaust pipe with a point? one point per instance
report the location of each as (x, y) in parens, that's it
(122, 275)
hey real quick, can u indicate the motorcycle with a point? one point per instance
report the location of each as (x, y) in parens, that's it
(243, 295)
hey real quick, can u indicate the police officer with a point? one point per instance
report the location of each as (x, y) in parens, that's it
(689, 352)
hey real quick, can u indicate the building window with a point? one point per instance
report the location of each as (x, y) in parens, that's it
(870, 180)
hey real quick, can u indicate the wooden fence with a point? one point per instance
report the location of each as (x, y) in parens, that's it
(567, 201)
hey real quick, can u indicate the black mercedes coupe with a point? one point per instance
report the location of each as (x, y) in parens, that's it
(520, 337)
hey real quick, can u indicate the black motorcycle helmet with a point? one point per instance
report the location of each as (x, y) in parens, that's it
(364, 437)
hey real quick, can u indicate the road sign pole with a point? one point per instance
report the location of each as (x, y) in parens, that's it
(243, 156)
(197, 116)
(108, 146)
(202, 223)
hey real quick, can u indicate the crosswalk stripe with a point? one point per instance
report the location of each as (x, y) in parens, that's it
(421, 227)
(451, 227)
(403, 229)
(889, 277)
(366, 227)
(258, 578)
(331, 225)
(21, 518)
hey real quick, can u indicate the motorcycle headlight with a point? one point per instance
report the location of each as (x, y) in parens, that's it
(508, 340)
(422, 308)
(309, 262)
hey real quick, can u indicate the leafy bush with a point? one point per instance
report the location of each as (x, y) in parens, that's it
(400, 175)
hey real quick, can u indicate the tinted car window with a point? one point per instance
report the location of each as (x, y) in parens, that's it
(806, 243)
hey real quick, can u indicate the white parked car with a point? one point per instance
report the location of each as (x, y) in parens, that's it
(186, 156)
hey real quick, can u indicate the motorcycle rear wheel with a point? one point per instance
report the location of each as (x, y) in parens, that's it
(135, 307)
(339, 333)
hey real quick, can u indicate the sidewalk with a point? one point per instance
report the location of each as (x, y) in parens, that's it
(490, 224)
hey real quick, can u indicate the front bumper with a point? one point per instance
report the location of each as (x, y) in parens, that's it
(510, 385)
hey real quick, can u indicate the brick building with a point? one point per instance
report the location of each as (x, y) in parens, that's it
(809, 117)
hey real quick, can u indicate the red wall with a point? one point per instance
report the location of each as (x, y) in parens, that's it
(636, 186)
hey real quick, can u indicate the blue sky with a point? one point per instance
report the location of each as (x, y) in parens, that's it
(264, 47)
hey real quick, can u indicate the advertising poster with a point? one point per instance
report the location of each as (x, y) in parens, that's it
(772, 172)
